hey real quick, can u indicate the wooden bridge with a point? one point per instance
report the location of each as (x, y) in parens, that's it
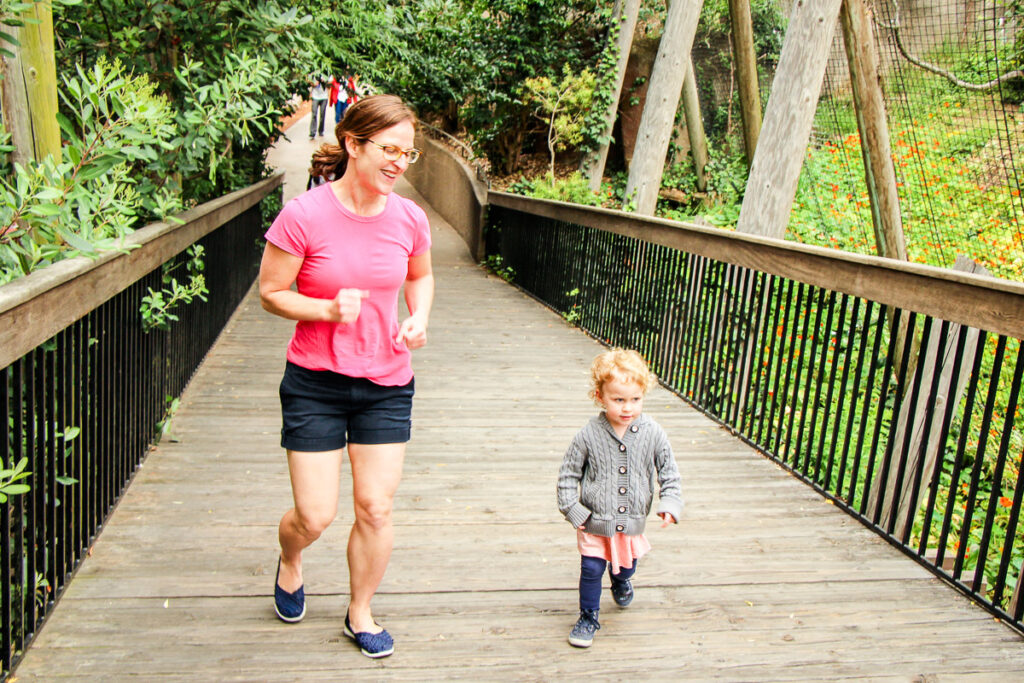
(763, 579)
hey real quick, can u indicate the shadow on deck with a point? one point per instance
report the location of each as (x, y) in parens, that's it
(762, 580)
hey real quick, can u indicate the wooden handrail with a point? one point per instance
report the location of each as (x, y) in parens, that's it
(987, 303)
(37, 306)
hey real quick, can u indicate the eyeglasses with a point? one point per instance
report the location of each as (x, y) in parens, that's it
(394, 152)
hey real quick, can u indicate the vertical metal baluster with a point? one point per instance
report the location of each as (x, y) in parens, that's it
(9, 456)
(866, 409)
(759, 292)
(879, 416)
(688, 322)
(915, 390)
(844, 391)
(979, 459)
(944, 434)
(965, 429)
(778, 400)
(922, 450)
(764, 401)
(829, 417)
(997, 475)
(794, 366)
(812, 337)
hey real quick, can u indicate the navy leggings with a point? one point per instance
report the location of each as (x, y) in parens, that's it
(591, 572)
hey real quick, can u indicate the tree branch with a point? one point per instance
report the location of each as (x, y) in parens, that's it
(951, 77)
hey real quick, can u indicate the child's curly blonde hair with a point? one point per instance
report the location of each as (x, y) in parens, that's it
(625, 365)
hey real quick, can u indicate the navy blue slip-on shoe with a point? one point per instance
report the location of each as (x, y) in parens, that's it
(371, 644)
(290, 607)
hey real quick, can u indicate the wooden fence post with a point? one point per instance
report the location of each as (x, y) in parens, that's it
(782, 145)
(662, 102)
(624, 14)
(29, 87)
(869, 105)
(949, 390)
(746, 71)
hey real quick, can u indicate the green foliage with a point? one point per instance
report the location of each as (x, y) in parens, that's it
(516, 40)
(574, 189)
(496, 264)
(11, 12)
(157, 307)
(9, 476)
(163, 427)
(563, 106)
(226, 68)
(139, 148)
(92, 196)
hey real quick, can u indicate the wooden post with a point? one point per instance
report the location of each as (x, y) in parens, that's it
(949, 390)
(869, 106)
(782, 145)
(659, 114)
(695, 126)
(624, 15)
(746, 70)
(30, 87)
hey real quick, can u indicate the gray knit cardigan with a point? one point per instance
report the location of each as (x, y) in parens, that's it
(606, 484)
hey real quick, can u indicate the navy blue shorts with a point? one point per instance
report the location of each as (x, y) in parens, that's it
(321, 410)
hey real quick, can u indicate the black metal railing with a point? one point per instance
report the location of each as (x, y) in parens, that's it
(84, 408)
(909, 422)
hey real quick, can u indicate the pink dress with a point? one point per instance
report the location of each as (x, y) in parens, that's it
(621, 550)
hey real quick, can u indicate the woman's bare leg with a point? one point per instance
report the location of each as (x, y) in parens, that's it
(315, 481)
(376, 473)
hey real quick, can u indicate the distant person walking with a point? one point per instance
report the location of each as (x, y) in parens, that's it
(318, 94)
(338, 98)
(348, 246)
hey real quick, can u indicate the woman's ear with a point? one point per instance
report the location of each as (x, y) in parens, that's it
(350, 146)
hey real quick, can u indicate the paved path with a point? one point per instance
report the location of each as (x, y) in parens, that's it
(762, 580)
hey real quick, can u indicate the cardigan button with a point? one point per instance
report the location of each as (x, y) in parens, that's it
(622, 469)
(622, 447)
(620, 528)
(622, 508)
(634, 429)
(622, 490)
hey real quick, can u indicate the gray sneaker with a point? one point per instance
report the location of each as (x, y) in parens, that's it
(582, 634)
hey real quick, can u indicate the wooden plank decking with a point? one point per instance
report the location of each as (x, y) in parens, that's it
(762, 580)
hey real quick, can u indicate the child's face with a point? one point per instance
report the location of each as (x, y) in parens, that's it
(623, 401)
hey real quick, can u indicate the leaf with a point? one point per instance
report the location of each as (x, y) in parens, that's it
(45, 210)
(66, 481)
(78, 242)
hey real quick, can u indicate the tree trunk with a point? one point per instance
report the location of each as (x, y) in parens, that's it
(30, 87)
(624, 16)
(746, 70)
(695, 126)
(782, 145)
(869, 106)
(658, 118)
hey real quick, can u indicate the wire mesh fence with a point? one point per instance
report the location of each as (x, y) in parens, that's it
(952, 91)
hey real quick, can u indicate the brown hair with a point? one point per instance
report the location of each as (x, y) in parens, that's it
(623, 365)
(362, 120)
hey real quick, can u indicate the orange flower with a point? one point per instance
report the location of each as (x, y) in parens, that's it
(1005, 502)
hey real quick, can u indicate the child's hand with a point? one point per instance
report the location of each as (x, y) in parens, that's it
(666, 519)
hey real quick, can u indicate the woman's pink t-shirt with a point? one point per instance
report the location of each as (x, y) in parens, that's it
(341, 250)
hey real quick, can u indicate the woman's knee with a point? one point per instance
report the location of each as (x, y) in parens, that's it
(374, 513)
(313, 523)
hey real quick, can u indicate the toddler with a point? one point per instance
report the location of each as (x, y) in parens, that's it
(605, 484)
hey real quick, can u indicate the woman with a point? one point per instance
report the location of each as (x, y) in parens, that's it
(348, 246)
